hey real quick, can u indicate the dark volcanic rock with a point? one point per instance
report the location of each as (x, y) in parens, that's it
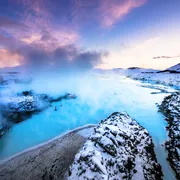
(66, 96)
(119, 148)
(22, 106)
(170, 107)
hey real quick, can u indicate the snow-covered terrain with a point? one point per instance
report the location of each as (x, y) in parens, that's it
(119, 148)
(170, 107)
(175, 68)
(164, 78)
(168, 77)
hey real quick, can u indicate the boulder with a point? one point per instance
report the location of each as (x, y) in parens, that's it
(119, 148)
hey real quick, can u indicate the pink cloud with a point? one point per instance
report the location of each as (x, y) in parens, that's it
(113, 10)
(9, 59)
(8, 23)
(45, 41)
(40, 30)
(104, 12)
(50, 39)
(35, 12)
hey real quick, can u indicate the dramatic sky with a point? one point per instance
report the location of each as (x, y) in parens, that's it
(90, 33)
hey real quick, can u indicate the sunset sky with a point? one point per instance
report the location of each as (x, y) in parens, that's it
(114, 33)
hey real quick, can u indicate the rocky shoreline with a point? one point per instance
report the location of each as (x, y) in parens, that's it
(170, 107)
(119, 148)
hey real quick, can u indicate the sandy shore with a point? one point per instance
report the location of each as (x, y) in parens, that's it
(48, 161)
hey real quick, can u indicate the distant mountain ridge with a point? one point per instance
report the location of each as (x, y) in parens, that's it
(175, 68)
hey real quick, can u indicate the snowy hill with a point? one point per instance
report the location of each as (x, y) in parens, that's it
(175, 68)
(169, 77)
(127, 72)
(142, 70)
(136, 70)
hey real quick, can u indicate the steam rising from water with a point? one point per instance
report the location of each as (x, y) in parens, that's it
(65, 60)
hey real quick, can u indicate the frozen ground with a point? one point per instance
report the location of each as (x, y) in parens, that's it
(98, 96)
(168, 77)
(158, 78)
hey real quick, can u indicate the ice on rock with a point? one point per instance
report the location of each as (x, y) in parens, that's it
(119, 148)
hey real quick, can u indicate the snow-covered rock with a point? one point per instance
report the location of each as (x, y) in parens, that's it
(26, 103)
(17, 108)
(119, 148)
(170, 107)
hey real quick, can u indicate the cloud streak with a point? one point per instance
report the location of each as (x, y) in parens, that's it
(113, 11)
(109, 11)
(165, 57)
(7, 23)
(103, 12)
(35, 12)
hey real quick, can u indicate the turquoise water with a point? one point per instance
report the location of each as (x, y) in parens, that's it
(96, 100)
